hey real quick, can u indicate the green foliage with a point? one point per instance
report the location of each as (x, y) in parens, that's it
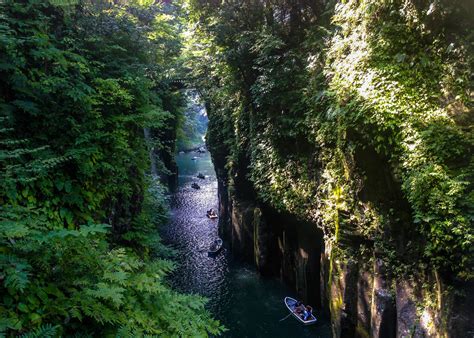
(354, 115)
(193, 125)
(79, 253)
(42, 331)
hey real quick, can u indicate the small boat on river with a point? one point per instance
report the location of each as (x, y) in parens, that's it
(211, 213)
(215, 247)
(195, 186)
(201, 176)
(291, 304)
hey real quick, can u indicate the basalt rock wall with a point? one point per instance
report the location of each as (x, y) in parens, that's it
(341, 132)
(361, 296)
(277, 244)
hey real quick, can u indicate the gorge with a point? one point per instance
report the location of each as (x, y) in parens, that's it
(341, 132)
(339, 156)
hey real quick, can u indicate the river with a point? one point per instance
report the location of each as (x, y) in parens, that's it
(248, 304)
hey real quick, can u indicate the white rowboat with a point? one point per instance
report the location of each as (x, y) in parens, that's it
(291, 305)
(215, 247)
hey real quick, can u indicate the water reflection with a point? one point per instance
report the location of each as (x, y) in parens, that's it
(247, 304)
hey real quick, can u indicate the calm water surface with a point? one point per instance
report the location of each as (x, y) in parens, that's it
(246, 303)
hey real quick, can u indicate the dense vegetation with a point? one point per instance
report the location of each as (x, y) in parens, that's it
(353, 115)
(193, 125)
(375, 99)
(79, 253)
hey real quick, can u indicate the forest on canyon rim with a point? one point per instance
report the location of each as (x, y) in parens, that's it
(356, 116)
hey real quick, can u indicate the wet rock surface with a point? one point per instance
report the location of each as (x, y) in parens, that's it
(360, 297)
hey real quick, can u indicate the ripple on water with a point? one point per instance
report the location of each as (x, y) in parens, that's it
(246, 303)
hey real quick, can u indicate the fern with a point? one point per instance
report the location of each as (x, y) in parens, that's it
(76, 92)
(15, 272)
(107, 292)
(44, 331)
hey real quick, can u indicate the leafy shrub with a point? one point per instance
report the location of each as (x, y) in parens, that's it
(79, 252)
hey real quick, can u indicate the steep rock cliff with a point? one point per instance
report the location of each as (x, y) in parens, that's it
(342, 136)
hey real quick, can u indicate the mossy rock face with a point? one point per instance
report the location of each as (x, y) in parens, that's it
(407, 317)
(261, 240)
(242, 221)
(362, 332)
(360, 127)
(360, 134)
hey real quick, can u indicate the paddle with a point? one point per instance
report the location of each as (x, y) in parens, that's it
(285, 317)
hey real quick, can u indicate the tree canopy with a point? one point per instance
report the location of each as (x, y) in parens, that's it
(79, 252)
(375, 99)
(352, 115)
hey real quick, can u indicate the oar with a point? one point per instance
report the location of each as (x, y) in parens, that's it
(285, 317)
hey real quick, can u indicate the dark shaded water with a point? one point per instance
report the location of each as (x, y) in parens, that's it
(246, 303)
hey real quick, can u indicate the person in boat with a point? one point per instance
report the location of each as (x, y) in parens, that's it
(299, 308)
(308, 311)
(211, 212)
